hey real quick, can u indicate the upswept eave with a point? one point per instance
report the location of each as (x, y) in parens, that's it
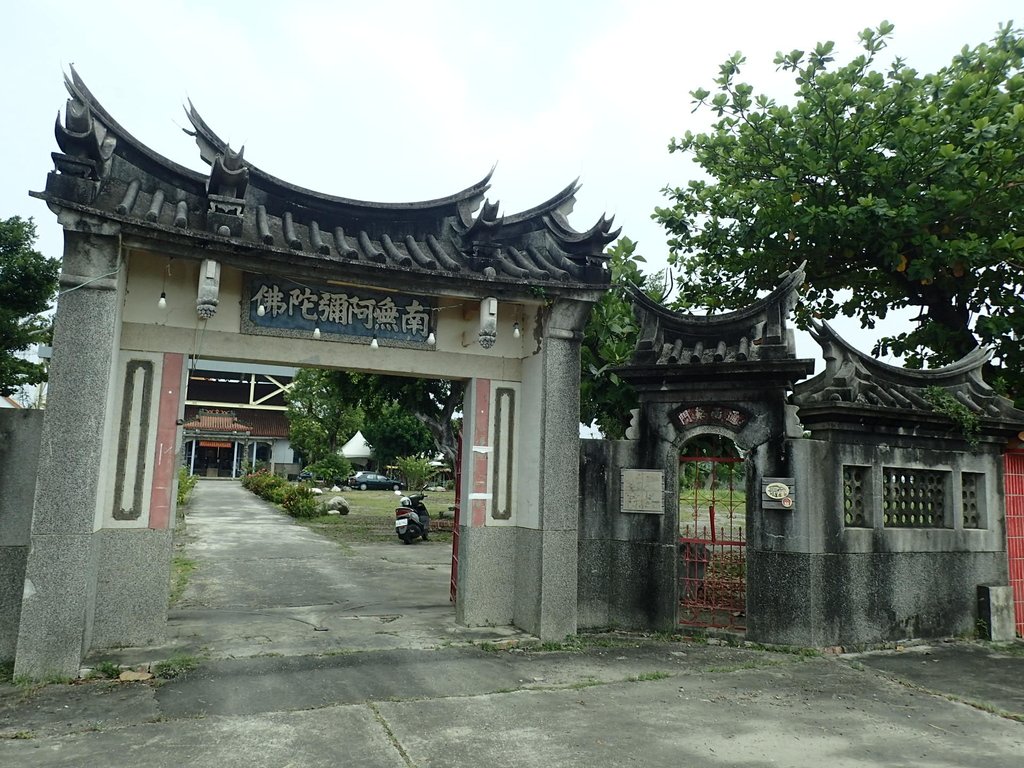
(212, 146)
(104, 171)
(757, 332)
(854, 379)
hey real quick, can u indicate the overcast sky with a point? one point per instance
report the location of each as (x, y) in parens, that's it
(400, 101)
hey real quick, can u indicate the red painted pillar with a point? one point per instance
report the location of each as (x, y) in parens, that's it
(480, 453)
(1014, 494)
(165, 464)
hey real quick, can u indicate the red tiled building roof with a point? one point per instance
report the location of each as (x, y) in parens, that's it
(255, 422)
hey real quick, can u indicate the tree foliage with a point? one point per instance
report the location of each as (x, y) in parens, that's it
(28, 281)
(399, 416)
(415, 470)
(608, 342)
(322, 413)
(433, 402)
(393, 431)
(898, 189)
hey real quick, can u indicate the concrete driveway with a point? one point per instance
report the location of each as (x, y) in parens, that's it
(266, 585)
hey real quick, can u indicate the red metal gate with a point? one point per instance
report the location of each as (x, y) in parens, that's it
(712, 543)
(453, 589)
(1014, 490)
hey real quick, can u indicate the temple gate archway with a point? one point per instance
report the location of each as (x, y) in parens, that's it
(248, 267)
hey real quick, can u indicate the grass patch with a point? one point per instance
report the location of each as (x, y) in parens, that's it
(372, 517)
(6, 671)
(21, 735)
(649, 676)
(175, 666)
(181, 571)
(1011, 649)
(106, 669)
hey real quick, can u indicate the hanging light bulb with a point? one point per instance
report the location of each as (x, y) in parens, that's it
(162, 301)
(261, 310)
(316, 332)
(373, 342)
(516, 333)
(431, 339)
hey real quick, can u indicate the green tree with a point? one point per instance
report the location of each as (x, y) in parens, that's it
(323, 413)
(28, 281)
(433, 402)
(415, 470)
(898, 189)
(608, 342)
(393, 431)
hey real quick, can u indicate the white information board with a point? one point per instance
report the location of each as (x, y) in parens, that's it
(643, 491)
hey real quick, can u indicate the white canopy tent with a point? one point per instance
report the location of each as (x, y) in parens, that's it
(357, 450)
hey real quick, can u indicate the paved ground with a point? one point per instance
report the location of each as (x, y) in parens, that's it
(318, 656)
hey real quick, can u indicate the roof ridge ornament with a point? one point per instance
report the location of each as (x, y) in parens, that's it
(757, 332)
(853, 378)
(86, 149)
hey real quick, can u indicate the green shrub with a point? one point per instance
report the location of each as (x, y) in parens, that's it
(266, 486)
(416, 470)
(186, 483)
(333, 468)
(300, 501)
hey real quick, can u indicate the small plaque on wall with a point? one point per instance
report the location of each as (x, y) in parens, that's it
(643, 491)
(778, 493)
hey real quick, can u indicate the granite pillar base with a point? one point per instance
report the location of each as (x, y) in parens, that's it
(54, 627)
(546, 583)
(486, 579)
(132, 587)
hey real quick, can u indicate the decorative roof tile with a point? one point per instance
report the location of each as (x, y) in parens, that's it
(852, 379)
(105, 171)
(755, 333)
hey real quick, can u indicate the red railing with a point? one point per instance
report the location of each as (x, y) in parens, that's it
(453, 589)
(1014, 490)
(712, 544)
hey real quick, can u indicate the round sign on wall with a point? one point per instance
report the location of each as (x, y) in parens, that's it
(776, 490)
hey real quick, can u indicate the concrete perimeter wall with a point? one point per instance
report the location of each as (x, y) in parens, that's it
(627, 562)
(841, 573)
(20, 430)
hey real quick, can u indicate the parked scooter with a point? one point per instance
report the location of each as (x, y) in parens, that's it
(412, 521)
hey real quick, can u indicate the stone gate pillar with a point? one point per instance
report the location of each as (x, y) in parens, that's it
(59, 591)
(518, 541)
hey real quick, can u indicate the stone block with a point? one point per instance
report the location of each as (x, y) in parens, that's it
(558, 600)
(132, 587)
(58, 589)
(12, 582)
(20, 431)
(593, 571)
(486, 576)
(546, 582)
(642, 592)
(529, 578)
(996, 614)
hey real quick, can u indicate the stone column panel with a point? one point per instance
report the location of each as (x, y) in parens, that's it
(60, 572)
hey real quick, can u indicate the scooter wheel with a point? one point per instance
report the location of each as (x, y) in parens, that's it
(405, 539)
(424, 537)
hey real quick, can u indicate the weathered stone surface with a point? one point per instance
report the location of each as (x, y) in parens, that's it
(20, 431)
(132, 586)
(486, 576)
(336, 505)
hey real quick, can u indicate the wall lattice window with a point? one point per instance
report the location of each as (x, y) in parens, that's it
(973, 490)
(914, 498)
(854, 481)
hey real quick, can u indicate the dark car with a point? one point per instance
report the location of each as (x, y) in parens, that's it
(366, 481)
